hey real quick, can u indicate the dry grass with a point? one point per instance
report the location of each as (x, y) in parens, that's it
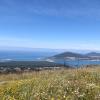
(71, 84)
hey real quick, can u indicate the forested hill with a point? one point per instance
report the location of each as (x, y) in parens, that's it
(69, 54)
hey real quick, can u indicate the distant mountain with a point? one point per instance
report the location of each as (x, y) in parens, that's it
(68, 54)
(91, 54)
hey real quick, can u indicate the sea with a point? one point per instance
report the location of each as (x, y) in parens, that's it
(24, 55)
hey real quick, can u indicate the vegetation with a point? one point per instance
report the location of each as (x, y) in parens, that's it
(21, 66)
(25, 64)
(70, 84)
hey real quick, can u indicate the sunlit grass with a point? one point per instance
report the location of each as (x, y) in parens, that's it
(71, 84)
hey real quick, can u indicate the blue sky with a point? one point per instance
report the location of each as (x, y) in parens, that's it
(58, 24)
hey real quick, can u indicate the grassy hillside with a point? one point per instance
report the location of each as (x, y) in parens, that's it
(71, 84)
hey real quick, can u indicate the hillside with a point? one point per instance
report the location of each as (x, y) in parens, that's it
(16, 66)
(72, 84)
(26, 64)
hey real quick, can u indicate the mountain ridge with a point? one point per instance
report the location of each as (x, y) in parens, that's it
(75, 55)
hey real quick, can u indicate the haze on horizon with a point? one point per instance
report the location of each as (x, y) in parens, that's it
(57, 24)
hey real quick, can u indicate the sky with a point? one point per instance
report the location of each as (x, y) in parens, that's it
(58, 24)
